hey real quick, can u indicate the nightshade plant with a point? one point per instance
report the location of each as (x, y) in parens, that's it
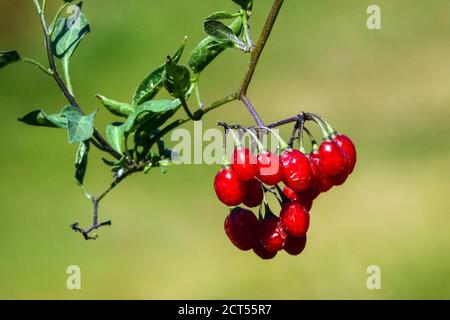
(133, 142)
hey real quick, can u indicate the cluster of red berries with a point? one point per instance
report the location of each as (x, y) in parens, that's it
(304, 176)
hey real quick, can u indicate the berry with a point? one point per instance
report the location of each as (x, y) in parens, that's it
(254, 193)
(294, 219)
(268, 168)
(295, 245)
(229, 189)
(325, 184)
(242, 227)
(272, 234)
(332, 159)
(243, 163)
(263, 253)
(347, 145)
(305, 198)
(296, 169)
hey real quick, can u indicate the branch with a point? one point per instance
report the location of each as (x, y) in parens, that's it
(256, 54)
(70, 98)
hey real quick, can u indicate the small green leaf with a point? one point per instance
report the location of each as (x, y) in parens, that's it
(221, 15)
(114, 134)
(42, 119)
(245, 4)
(117, 108)
(8, 57)
(151, 85)
(208, 49)
(222, 33)
(80, 128)
(81, 162)
(176, 79)
(68, 33)
(152, 113)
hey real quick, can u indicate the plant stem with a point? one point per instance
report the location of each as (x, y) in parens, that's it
(256, 54)
(252, 110)
(51, 60)
(39, 65)
(66, 72)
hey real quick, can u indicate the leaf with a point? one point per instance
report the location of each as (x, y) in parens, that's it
(8, 57)
(208, 49)
(79, 127)
(221, 15)
(245, 4)
(81, 162)
(117, 108)
(222, 33)
(114, 134)
(68, 33)
(153, 113)
(176, 79)
(42, 119)
(151, 85)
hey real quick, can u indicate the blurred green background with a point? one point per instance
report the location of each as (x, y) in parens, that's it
(387, 89)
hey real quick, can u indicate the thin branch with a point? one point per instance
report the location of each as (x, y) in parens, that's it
(252, 110)
(39, 65)
(62, 86)
(256, 53)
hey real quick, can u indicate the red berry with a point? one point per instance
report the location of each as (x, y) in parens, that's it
(325, 183)
(295, 245)
(272, 234)
(332, 159)
(294, 219)
(229, 189)
(242, 228)
(347, 145)
(254, 193)
(290, 194)
(269, 168)
(304, 197)
(244, 163)
(296, 169)
(263, 253)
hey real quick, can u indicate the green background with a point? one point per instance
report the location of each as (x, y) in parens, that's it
(387, 89)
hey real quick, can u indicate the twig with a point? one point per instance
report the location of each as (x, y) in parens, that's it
(70, 98)
(256, 53)
(252, 110)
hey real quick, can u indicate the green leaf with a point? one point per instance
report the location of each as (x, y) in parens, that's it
(81, 162)
(221, 15)
(115, 135)
(68, 33)
(152, 113)
(8, 57)
(80, 127)
(151, 85)
(245, 4)
(208, 49)
(42, 119)
(176, 79)
(117, 108)
(222, 33)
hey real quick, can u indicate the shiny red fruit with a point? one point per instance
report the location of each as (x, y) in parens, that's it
(254, 193)
(295, 245)
(272, 234)
(304, 197)
(242, 228)
(263, 253)
(294, 219)
(347, 145)
(269, 169)
(229, 189)
(325, 183)
(243, 163)
(332, 159)
(296, 169)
